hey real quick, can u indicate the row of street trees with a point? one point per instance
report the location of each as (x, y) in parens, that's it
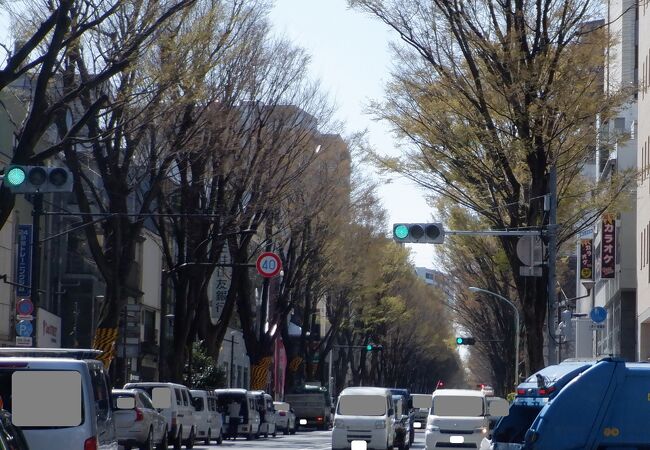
(488, 97)
(190, 119)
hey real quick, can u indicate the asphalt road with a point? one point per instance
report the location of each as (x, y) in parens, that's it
(303, 440)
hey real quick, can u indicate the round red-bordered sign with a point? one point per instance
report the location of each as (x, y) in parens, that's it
(25, 307)
(268, 264)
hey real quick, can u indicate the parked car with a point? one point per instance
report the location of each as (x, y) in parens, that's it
(285, 418)
(11, 437)
(364, 414)
(175, 403)
(407, 409)
(265, 408)
(402, 426)
(58, 396)
(137, 422)
(208, 417)
(312, 405)
(242, 417)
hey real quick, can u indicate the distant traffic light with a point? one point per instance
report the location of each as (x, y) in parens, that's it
(421, 233)
(374, 347)
(465, 341)
(440, 384)
(26, 179)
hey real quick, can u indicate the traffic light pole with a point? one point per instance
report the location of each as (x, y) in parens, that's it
(36, 249)
(552, 244)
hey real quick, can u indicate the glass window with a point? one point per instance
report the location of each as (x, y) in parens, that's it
(144, 399)
(186, 398)
(362, 405)
(179, 396)
(100, 390)
(457, 406)
(198, 403)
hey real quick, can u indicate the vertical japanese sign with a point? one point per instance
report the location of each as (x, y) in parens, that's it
(608, 247)
(221, 284)
(24, 260)
(586, 259)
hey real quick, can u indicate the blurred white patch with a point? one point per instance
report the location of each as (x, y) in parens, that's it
(359, 445)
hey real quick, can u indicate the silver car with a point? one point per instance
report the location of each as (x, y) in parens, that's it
(285, 418)
(137, 422)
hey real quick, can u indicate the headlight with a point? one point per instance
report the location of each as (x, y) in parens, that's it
(482, 430)
(380, 424)
(338, 423)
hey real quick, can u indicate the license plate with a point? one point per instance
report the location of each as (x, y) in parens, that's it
(359, 445)
(417, 425)
(457, 439)
(303, 421)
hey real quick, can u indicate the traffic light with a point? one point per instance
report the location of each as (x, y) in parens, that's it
(421, 233)
(373, 347)
(26, 179)
(440, 384)
(465, 341)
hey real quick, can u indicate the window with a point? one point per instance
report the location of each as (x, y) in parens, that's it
(100, 390)
(179, 396)
(149, 319)
(198, 403)
(186, 398)
(146, 402)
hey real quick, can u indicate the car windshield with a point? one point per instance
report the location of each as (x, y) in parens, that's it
(362, 405)
(458, 406)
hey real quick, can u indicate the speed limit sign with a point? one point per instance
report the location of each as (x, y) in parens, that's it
(268, 264)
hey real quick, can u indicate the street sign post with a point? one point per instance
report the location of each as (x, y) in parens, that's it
(268, 264)
(598, 314)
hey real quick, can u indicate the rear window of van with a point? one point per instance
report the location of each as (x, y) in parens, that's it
(42, 398)
(362, 405)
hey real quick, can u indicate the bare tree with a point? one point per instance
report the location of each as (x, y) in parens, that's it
(492, 95)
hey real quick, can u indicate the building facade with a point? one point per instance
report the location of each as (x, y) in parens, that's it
(643, 191)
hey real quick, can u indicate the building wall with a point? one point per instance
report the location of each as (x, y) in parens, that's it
(643, 190)
(240, 360)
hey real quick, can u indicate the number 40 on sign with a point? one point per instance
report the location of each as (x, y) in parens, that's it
(268, 264)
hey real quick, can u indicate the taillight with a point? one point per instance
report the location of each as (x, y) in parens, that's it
(282, 413)
(547, 391)
(319, 419)
(90, 444)
(521, 391)
(138, 415)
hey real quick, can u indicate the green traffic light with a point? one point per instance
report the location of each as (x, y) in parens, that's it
(459, 340)
(401, 231)
(369, 347)
(15, 176)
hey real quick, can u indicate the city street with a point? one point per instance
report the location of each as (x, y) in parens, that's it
(303, 440)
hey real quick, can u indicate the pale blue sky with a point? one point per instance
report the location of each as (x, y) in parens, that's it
(350, 56)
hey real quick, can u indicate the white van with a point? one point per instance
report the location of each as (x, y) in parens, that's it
(461, 418)
(175, 402)
(248, 420)
(364, 414)
(421, 405)
(208, 417)
(264, 405)
(59, 397)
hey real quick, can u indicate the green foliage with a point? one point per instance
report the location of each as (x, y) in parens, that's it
(206, 374)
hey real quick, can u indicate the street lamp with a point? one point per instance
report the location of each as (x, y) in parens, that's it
(484, 291)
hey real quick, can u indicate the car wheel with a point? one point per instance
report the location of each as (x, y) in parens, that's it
(190, 440)
(163, 442)
(285, 431)
(208, 438)
(293, 430)
(250, 436)
(220, 438)
(178, 442)
(148, 444)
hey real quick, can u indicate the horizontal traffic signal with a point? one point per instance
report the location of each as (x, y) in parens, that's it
(465, 341)
(373, 347)
(420, 233)
(26, 179)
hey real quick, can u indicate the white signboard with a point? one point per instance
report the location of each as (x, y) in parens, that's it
(220, 285)
(48, 329)
(23, 341)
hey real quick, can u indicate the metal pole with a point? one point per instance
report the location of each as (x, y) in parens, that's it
(126, 369)
(517, 326)
(37, 212)
(232, 357)
(552, 244)
(162, 348)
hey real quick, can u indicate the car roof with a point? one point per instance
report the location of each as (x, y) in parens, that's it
(458, 393)
(365, 391)
(557, 372)
(126, 391)
(135, 384)
(231, 391)
(73, 353)
(46, 363)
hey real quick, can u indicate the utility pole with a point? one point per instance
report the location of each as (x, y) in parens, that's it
(232, 356)
(552, 245)
(36, 248)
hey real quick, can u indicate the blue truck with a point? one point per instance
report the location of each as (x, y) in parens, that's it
(606, 407)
